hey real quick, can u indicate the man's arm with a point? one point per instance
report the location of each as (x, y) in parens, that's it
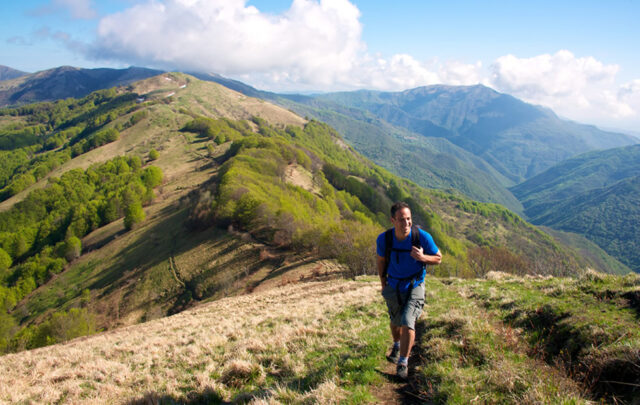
(418, 254)
(381, 262)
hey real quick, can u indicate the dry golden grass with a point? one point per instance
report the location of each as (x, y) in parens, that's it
(211, 348)
(301, 177)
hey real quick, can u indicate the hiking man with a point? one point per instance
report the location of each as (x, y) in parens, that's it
(403, 253)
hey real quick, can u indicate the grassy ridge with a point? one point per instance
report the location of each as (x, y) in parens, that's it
(498, 340)
(549, 340)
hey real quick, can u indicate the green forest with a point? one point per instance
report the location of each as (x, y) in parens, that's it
(594, 194)
(42, 233)
(37, 138)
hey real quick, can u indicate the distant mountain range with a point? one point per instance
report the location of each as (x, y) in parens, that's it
(596, 194)
(63, 82)
(7, 73)
(518, 139)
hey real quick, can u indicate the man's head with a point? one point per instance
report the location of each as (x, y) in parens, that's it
(401, 219)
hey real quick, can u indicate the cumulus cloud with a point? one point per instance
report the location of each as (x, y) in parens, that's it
(317, 45)
(313, 45)
(313, 41)
(581, 88)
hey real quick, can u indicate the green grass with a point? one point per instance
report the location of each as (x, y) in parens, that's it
(349, 360)
(553, 340)
(469, 357)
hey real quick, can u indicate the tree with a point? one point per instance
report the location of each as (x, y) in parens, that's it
(133, 214)
(72, 248)
(152, 176)
(5, 260)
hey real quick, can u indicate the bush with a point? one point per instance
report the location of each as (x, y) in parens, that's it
(5, 261)
(133, 214)
(63, 326)
(153, 155)
(152, 176)
(72, 248)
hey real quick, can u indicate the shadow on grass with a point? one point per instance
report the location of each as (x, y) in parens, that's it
(191, 398)
(152, 246)
(411, 391)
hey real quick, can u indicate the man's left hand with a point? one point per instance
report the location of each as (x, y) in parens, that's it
(418, 253)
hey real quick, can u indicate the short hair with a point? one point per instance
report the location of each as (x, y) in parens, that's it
(397, 207)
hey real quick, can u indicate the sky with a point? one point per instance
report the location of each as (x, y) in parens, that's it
(579, 58)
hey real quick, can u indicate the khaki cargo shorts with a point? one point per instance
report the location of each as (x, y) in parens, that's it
(404, 307)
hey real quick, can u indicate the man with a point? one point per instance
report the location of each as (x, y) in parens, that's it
(401, 267)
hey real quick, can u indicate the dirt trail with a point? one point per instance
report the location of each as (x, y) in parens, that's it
(396, 391)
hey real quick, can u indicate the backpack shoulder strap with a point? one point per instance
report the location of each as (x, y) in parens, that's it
(415, 236)
(388, 244)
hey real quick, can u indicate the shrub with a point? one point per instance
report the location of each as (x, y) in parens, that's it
(72, 248)
(153, 155)
(133, 214)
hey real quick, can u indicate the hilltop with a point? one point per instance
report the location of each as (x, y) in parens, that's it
(7, 73)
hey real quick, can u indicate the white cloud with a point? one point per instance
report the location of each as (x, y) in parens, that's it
(461, 74)
(317, 45)
(311, 42)
(581, 88)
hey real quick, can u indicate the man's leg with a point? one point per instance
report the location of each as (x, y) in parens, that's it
(410, 313)
(394, 355)
(396, 332)
(407, 337)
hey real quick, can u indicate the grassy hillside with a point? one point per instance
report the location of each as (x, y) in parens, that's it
(250, 192)
(429, 161)
(505, 340)
(595, 195)
(589, 249)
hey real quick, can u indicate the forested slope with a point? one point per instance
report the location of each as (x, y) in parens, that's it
(595, 195)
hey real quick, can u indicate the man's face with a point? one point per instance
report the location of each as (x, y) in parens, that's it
(402, 222)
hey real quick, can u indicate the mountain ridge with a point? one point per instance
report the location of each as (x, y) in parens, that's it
(593, 194)
(66, 81)
(8, 73)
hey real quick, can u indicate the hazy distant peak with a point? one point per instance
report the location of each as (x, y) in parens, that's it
(7, 73)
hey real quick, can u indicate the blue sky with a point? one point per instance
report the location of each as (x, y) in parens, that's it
(579, 58)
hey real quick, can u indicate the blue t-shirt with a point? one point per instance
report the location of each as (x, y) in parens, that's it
(401, 264)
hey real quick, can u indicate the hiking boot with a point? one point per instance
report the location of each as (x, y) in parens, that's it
(402, 371)
(394, 355)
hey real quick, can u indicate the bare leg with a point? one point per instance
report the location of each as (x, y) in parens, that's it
(407, 337)
(396, 332)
